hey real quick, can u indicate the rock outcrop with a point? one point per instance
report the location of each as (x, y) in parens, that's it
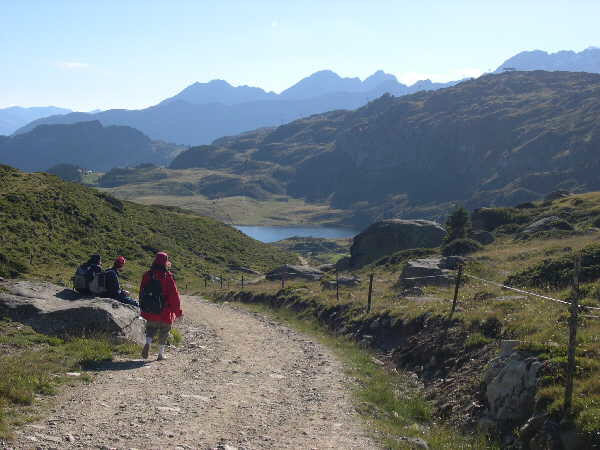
(546, 224)
(289, 272)
(55, 310)
(510, 383)
(347, 281)
(389, 236)
(429, 272)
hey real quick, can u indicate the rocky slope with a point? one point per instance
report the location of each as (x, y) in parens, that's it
(84, 144)
(497, 140)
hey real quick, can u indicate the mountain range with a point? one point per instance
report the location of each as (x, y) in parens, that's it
(15, 117)
(500, 139)
(203, 112)
(84, 144)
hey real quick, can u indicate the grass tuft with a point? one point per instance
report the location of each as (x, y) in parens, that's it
(34, 364)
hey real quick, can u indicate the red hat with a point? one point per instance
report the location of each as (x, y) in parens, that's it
(120, 261)
(161, 259)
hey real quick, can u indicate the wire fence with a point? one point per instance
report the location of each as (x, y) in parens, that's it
(459, 274)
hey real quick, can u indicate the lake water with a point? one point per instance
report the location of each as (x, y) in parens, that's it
(272, 234)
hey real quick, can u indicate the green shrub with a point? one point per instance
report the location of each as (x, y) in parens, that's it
(476, 340)
(458, 224)
(491, 327)
(491, 218)
(558, 272)
(175, 337)
(461, 247)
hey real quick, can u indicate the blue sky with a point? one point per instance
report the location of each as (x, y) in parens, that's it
(85, 54)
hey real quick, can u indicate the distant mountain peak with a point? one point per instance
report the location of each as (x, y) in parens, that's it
(219, 91)
(587, 60)
(379, 77)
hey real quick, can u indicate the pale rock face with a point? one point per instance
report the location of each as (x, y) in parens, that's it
(511, 381)
(56, 310)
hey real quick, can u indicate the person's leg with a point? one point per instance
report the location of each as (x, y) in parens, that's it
(151, 330)
(128, 301)
(163, 335)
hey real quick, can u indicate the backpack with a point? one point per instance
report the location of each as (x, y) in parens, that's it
(80, 280)
(98, 283)
(152, 299)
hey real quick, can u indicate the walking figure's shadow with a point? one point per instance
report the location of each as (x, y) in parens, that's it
(116, 365)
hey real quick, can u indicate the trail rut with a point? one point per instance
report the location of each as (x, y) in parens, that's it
(239, 380)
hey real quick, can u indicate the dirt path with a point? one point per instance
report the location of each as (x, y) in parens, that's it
(239, 381)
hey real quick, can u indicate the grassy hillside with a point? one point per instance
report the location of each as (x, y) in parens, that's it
(84, 144)
(541, 262)
(222, 195)
(50, 226)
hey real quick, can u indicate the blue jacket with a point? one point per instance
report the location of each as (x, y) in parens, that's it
(113, 287)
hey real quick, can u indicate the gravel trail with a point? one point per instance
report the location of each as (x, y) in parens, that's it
(238, 381)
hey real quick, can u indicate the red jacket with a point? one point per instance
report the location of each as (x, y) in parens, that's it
(172, 307)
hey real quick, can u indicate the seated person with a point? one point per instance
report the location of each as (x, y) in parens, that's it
(85, 274)
(113, 287)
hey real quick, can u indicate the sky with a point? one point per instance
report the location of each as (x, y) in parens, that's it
(87, 54)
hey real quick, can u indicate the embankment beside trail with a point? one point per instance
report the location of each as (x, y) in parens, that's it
(487, 384)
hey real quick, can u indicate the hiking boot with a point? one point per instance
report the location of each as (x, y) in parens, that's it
(161, 357)
(145, 351)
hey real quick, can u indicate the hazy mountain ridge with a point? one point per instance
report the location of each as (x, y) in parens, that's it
(496, 140)
(181, 119)
(14, 117)
(85, 144)
(587, 60)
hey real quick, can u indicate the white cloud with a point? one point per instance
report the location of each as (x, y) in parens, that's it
(458, 74)
(72, 65)
(275, 24)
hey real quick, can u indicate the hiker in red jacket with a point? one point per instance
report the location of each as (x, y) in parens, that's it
(159, 303)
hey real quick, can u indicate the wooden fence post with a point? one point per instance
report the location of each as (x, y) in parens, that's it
(242, 281)
(570, 375)
(369, 301)
(456, 286)
(205, 281)
(283, 281)
(221, 281)
(337, 285)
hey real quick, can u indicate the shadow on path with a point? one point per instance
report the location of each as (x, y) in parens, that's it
(117, 365)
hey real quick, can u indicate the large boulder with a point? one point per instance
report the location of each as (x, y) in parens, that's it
(289, 272)
(547, 224)
(55, 310)
(510, 384)
(428, 272)
(389, 236)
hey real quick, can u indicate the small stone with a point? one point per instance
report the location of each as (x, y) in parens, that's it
(73, 374)
(54, 439)
(169, 409)
(69, 437)
(415, 443)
